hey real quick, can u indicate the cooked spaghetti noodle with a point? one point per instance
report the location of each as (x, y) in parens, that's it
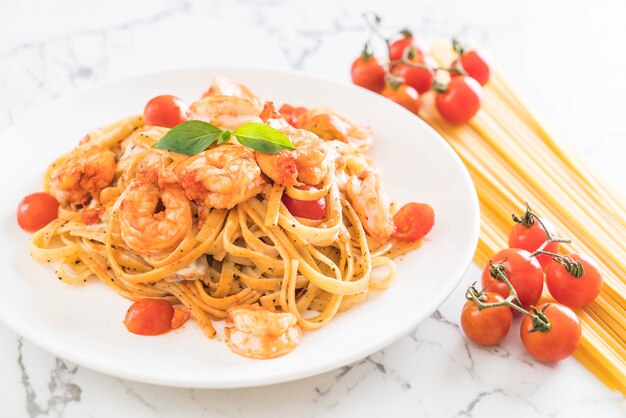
(132, 217)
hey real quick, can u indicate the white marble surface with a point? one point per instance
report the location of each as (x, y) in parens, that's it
(566, 56)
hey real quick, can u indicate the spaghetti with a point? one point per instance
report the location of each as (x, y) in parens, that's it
(512, 159)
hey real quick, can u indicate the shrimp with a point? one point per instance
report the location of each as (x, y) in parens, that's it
(348, 161)
(307, 164)
(82, 174)
(138, 153)
(228, 112)
(330, 125)
(220, 177)
(155, 216)
(221, 86)
(261, 332)
(366, 192)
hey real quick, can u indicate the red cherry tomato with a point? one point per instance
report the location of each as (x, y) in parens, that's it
(574, 291)
(488, 326)
(291, 114)
(522, 270)
(420, 79)
(474, 66)
(166, 111)
(560, 341)
(413, 221)
(309, 209)
(530, 238)
(181, 315)
(149, 316)
(36, 211)
(397, 47)
(368, 73)
(461, 101)
(406, 96)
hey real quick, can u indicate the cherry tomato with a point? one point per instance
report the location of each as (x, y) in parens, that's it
(291, 114)
(522, 270)
(488, 326)
(560, 341)
(367, 72)
(166, 111)
(36, 211)
(473, 65)
(413, 221)
(530, 238)
(309, 209)
(181, 315)
(149, 316)
(406, 96)
(420, 79)
(574, 291)
(461, 101)
(397, 47)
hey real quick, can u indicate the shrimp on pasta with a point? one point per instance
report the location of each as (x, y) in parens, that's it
(80, 176)
(220, 177)
(307, 164)
(154, 216)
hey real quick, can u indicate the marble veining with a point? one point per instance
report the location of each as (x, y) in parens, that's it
(48, 50)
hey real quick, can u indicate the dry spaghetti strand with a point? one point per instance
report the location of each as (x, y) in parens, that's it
(506, 150)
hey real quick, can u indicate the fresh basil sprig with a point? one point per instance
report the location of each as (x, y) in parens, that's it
(194, 136)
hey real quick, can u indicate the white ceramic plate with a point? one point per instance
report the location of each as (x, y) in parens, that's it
(84, 323)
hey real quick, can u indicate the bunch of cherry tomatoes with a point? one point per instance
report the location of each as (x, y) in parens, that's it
(409, 72)
(513, 280)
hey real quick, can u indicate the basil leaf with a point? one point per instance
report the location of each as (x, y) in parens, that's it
(262, 138)
(224, 136)
(190, 137)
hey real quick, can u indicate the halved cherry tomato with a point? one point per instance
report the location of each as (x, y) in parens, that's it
(488, 326)
(149, 316)
(571, 290)
(474, 65)
(461, 101)
(166, 111)
(291, 114)
(420, 79)
(181, 315)
(557, 343)
(413, 221)
(530, 238)
(405, 95)
(522, 270)
(309, 209)
(367, 72)
(36, 211)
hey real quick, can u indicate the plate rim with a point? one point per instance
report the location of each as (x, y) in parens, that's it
(290, 375)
